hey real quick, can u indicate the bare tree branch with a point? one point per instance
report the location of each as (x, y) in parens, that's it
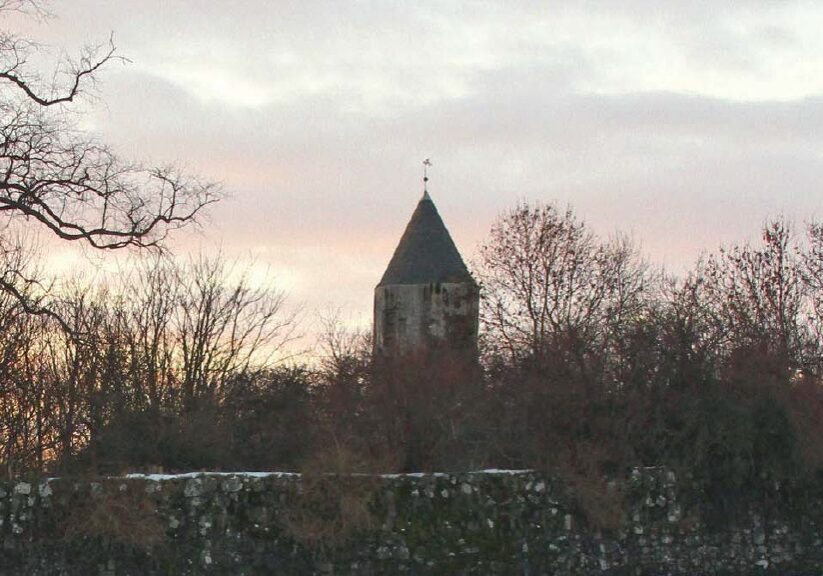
(56, 178)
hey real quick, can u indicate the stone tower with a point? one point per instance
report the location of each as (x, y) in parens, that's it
(427, 300)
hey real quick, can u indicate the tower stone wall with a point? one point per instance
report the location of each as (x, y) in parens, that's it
(410, 317)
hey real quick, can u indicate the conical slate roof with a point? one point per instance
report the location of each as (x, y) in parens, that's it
(426, 253)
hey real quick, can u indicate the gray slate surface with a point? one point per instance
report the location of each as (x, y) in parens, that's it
(426, 253)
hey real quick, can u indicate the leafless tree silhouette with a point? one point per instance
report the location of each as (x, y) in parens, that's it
(57, 178)
(547, 279)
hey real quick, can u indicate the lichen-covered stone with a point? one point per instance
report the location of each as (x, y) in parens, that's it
(474, 523)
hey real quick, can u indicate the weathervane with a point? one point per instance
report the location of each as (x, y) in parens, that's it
(426, 164)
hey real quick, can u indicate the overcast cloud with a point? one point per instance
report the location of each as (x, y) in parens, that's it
(686, 123)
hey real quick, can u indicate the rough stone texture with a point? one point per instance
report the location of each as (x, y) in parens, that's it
(478, 523)
(410, 317)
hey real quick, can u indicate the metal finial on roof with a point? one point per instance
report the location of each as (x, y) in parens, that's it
(426, 164)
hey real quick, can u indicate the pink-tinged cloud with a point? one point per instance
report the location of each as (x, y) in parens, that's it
(684, 124)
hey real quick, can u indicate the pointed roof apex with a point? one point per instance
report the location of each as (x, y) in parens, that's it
(426, 253)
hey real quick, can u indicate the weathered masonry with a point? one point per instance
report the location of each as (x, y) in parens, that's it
(427, 299)
(493, 522)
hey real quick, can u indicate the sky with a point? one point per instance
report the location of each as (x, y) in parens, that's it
(684, 124)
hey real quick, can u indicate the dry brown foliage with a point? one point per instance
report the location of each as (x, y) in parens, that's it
(120, 513)
(333, 501)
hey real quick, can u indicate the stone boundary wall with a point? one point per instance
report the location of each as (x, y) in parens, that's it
(492, 522)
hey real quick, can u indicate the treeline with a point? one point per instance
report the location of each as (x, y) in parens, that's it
(592, 361)
(123, 373)
(598, 361)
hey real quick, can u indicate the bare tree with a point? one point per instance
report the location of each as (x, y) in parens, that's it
(150, 298)
(224, 325)
(22, 396)
(345, 351)
(753, 296)
(345, 370)
(547, 282)
(812, 268)
(59, 179)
